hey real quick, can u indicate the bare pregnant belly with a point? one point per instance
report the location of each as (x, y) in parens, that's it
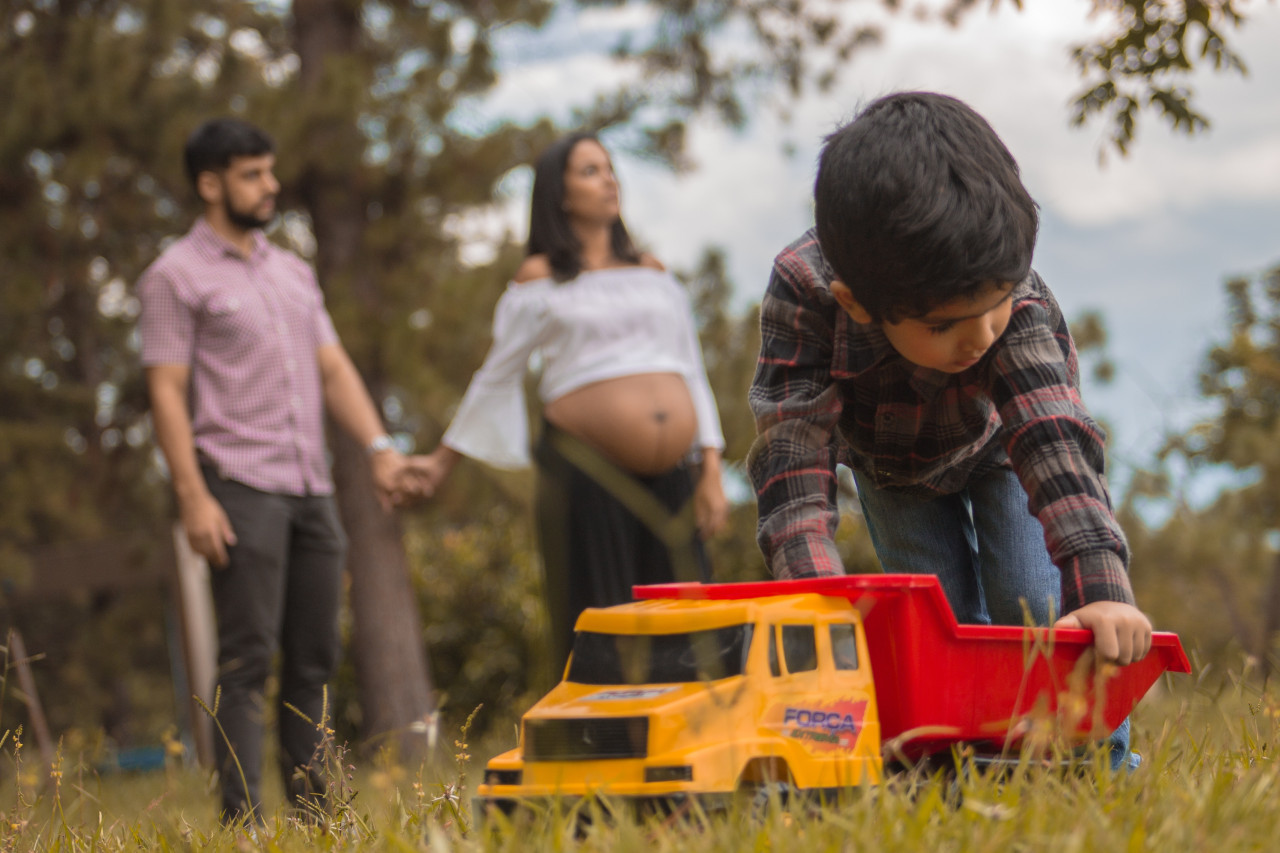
(645, 423)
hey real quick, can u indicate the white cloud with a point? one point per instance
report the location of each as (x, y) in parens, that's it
(554, 86)
(627, 18)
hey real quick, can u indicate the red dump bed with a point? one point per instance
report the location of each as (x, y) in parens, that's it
(938, 682)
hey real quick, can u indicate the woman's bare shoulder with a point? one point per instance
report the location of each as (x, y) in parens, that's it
(648, 260)
(533, 268)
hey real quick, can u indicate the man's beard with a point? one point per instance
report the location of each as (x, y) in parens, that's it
(244, 221)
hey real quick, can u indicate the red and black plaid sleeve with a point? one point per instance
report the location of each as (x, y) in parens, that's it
(796, 406)
(1059, 452)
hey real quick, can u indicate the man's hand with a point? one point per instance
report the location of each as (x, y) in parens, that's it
(1121, 633)
(388, 478)
(208, 528)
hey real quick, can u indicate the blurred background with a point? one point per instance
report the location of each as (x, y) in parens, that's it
(1148, 131)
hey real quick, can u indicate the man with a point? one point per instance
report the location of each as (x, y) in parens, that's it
(242, 361)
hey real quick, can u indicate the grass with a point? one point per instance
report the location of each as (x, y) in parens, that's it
(1208, 781)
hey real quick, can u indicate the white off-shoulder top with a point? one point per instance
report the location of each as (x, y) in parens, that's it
(601, 325)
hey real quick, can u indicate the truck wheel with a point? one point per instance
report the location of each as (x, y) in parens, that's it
(766, 796)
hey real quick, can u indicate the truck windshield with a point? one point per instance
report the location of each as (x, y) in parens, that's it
(659, 658)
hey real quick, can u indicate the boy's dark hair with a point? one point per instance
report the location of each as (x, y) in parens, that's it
(213, 145)
(549, 231)
(918, 202)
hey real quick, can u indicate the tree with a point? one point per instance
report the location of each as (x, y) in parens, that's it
(1140, 64)
(1233, 540)
(359, 96)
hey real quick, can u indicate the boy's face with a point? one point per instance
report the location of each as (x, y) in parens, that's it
(953, 336)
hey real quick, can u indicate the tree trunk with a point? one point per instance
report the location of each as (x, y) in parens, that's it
(1270, 620)
(392, 672)
(390, 663)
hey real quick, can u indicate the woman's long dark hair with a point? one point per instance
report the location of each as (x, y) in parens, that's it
(549, 230)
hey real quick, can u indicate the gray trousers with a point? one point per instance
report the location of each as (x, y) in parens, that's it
(280, 592)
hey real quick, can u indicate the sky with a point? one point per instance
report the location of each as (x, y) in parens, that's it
(1148, 241)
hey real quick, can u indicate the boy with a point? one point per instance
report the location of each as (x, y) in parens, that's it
(907, 337)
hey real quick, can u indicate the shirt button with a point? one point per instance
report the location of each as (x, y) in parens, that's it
(281, 327)
(290, 364)
(296, 402)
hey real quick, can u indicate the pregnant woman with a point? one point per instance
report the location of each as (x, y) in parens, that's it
(630, 432)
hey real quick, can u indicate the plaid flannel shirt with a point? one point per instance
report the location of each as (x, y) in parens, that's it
(828, 389)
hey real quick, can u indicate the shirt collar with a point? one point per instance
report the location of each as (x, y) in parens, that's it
(214, 245)
(863, 345)
(868, 349)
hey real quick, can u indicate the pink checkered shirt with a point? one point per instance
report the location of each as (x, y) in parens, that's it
(249, 329)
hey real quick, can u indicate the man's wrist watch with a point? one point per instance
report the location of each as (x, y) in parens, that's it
(379, 444)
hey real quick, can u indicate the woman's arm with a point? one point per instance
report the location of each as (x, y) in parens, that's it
(710, 506)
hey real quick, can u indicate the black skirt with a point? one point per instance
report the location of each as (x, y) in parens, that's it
(603, 530)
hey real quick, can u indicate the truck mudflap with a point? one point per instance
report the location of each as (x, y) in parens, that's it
(939, 682)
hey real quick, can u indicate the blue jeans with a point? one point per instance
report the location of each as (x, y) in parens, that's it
(985, 547)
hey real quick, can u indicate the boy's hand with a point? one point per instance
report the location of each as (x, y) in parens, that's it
(1121, 632)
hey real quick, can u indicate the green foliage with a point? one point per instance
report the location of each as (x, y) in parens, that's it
(483, 566)
(1090, 334)
(1138, 67)
(109, 653)
(1213, 570)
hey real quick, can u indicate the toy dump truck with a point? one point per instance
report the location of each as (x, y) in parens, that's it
(716, 690)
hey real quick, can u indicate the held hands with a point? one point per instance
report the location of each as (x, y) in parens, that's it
(424, 474)
(402, 480)
(1121, 633)
(208, 528)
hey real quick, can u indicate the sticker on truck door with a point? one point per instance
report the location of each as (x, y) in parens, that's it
(826, 725)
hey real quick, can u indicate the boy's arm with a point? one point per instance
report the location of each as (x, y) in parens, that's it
(1059, 454)
(796, 405)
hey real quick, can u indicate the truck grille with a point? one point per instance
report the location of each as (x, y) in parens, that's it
(586, 739)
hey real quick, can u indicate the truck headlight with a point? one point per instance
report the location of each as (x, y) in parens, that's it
(681, 773)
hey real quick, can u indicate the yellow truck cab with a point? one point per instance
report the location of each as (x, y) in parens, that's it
(666, 697)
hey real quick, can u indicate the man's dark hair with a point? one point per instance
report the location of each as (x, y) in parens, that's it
(549, 231)
(213, 145)
(918, 202)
